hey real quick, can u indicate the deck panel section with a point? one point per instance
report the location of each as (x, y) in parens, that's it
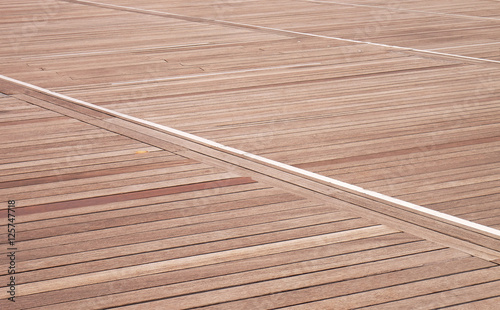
(401, 99)
(391, 120)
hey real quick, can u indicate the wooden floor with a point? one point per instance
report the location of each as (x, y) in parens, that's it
(108, 221)
(411, 124)
(400, 98)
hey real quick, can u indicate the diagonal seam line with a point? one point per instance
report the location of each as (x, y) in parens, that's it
(270, 29)
(264, 160)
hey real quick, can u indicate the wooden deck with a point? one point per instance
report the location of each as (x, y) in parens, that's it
(115, 211)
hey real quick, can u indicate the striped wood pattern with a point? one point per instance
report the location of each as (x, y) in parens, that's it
(109, 221)
(125, 224)
(390, 121)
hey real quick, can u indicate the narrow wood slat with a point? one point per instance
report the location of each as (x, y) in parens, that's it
(83, 202)
(291, 265)
(227, 269)
(467, 294)
(444, 275)
(485, 304)
(287, 291)
(221, 199)
(134, 271)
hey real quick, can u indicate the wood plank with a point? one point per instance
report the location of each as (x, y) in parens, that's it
(286, 294)
(347, 300)
(133, 271)
(486, 303)
(465, 295)
(230, 269)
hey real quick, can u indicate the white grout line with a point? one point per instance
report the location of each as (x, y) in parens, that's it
(249, 26)
(261, 159)
(405, 10)
(218, 73)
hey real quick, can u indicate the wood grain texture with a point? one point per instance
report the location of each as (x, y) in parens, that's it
(390, 120)
(399, 98)
(230, 248)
